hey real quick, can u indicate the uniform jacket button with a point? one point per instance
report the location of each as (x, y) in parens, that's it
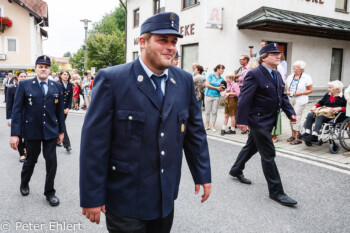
(113, 168)
(162, 134)
(163, 153)
(130, 117)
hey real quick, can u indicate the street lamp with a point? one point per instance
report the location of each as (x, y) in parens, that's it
(86, 22)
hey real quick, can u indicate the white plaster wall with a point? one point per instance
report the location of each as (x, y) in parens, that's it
(225, 46)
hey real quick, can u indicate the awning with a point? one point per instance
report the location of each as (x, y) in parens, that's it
(290, 22)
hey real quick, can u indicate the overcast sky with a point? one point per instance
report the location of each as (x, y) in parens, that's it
(66, 32)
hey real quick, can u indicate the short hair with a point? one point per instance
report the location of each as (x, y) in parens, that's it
(253, 64)
(230, 75)
(283, 58)
(219, 67)
(336, 85)
(20, 72)
(146, 35)
(85, 73)
(262, 56)
(246, 57)
(200, 69)
(301, 64)
(59, 76)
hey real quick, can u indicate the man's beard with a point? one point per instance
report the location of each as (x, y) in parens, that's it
(156, 61)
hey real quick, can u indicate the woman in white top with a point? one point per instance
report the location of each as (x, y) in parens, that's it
(298, 87)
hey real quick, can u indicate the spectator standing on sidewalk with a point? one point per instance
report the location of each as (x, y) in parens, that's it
(198, 85)
(212, 96)
(86, 85)
(244, 61)
(347, 98)
(76, 95)
(298, 88)
(257, 54)
(231, 99)
(10, 81)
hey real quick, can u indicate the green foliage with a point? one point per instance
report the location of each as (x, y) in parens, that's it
(67, 54)
(105, 50)
(77, 60)
(105, 44)
(54, 67)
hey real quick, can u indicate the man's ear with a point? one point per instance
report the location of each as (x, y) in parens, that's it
(142, 42)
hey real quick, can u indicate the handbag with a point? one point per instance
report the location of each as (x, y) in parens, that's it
(325, 111)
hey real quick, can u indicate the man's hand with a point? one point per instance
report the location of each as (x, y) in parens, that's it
(244, 128)
(94, 213)
(293, 119)
(66, 111)
(313, 109)
(348, 101)
(207, 190)
(60, 138)
(9, 124)
(14, 140)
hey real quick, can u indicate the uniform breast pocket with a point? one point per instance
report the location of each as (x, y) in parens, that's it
(130, 125)
(182, 123)
(30, 99)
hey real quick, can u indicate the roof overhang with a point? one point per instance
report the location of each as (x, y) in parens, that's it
(283, 21)
(43, 20)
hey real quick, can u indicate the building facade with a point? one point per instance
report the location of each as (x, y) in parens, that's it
(220, 31)
(21, 43)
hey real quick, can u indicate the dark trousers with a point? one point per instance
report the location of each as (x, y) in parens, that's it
(5, 93)
(260, 140)
(66, 141)
(21, 146)
(120, 224)
(319, 120)
(33, 152)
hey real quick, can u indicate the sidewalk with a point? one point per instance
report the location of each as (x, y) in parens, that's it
(315, 153)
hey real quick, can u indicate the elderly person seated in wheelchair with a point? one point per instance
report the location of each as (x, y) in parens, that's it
(335, 103)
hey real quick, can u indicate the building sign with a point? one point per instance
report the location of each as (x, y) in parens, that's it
(316, 1)
(136, 40)
(2, 56)
(187, 30)
(213, 17)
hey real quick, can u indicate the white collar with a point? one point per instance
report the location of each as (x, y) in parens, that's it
(149, 72)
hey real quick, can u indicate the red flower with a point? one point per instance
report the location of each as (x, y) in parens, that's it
(6, 21)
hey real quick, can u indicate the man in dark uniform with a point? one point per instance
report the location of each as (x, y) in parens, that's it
(259, 104)
(37, 116)
(10, 81)
(142, 115)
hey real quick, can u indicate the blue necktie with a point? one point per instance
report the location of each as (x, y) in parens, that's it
(274, 75)
(157, 81)
(42, 87)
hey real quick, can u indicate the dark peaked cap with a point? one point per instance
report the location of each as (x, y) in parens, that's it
(162, 23)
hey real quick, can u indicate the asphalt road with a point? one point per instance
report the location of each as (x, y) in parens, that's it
(323, 195)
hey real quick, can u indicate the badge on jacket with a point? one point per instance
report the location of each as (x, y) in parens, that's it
(182, 127)
(56, 98)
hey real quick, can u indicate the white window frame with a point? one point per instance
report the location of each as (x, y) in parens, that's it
(6, 45)
(2, 10)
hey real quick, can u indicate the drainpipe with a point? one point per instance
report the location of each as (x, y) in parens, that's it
(126, 24)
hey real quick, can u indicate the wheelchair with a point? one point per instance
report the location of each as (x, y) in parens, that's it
(331, 131)
(344, 137)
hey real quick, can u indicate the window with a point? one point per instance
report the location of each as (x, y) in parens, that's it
(336, 64)
(136, 17)
(159, 6)
(341, 5)
(188, 3)
(189, 56)
(11, 45)
(2, 11)
(135, 55)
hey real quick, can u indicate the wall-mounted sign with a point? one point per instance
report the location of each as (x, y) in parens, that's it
(2, 56)
(316, 1)
(213, 17)
(187, 30)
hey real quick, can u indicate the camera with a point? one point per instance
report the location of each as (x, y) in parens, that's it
(251, 46)
(291, 94)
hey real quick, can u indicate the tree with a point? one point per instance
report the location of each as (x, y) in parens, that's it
(105, 50)
(77, 60)
(54, 68)
(67, 54)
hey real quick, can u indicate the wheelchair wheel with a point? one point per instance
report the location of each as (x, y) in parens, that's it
(334, 148)
(344, 135)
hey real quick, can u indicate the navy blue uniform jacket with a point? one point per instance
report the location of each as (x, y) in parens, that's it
(131, 147)
(261, 100)
(11, 92)
(41, 117)
(67, 95)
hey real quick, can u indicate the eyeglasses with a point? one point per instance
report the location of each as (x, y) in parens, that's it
(275, 54)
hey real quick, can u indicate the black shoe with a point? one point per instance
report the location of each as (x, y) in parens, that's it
(245, 132)
(241, 178)
(24, 190)
(283, 199)
(301, 136)
(53, 200)
(69, 148)
(59, 145)
(222, 132)
(311, 138)
(231, 132)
